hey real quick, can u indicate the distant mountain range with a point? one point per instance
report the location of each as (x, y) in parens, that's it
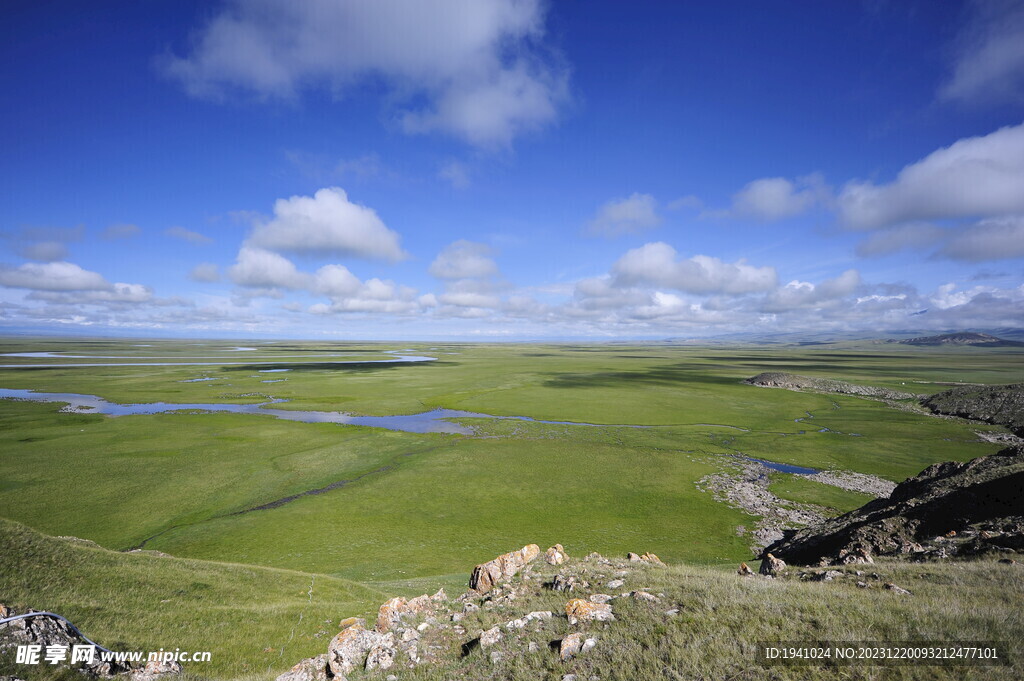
(963, 338)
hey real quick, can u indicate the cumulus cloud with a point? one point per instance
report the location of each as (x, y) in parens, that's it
(992, 239)
(774, 198)
(205, 272)
(264, 273)
(464, 260)
(989, 65)
(188, 235)
(115, 293)
(476, 69)
(120, 231)
(801, 294)
(657, 264)
(259, 268)
(900, 237)
(471, 280)
(974, 177)
(327, 223)
(52, 276)
(348, 294)
(602, 293)
(633, 214)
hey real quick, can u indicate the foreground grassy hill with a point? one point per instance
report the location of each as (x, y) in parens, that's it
(704, 624)
(253, 619)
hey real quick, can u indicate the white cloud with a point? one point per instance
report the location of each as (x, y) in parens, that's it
(456, 173)
(633, 214)
(469, 299)
(120, 231)
(992, 239)
(990, 60)
(464, 260)
(116, 293)
(259, 268)
(478, 65)
(52, 276)
(489, 110)
(974, 177)
(349, 295)
(802, 294)
(899, 237)
(336, 281)
(188, 235)
(205, 272)
(327, 223)
(774, 198)
(656, 264)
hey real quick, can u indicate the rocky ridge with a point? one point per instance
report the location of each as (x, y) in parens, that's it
(996, 404)
(427, 629)
(962, 338)
(788, 381)
(950, 508)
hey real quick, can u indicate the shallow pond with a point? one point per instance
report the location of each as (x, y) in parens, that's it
(434, 421)
(784, 467)
(254, 360)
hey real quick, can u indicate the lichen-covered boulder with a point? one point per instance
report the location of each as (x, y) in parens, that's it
(772, 566)
(579, 610)
(555, 555)
(382, 654)
(486, 575)
(490, 637)
(570, 646)
(349, 648)
(390, 613)
(310, 669)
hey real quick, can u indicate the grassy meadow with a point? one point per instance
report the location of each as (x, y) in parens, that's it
(408, 512)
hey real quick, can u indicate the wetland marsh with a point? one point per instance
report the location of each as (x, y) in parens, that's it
(597, 447)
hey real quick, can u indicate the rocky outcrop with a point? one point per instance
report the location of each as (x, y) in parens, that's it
(949, 508)
(962, 338)
(555, 555)
(310, 669)
(578, 610)
(349, 649)
(782, 379)
(574, 644)
(486, 575)
(772, 566)
(1001, 405)
(645, 558)
(498, 624)
(47, 631)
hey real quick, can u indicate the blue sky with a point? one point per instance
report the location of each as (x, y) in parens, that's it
(510, 169)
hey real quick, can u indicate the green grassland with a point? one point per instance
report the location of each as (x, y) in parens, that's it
(252, 619)
(415, 511)
(802, 490)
